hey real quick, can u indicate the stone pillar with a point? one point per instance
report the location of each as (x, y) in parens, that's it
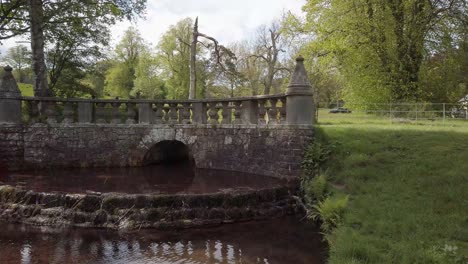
(199, 115)
(10, 98)
(249, 114)
(144, 113)
(85, 112)
(299, 102)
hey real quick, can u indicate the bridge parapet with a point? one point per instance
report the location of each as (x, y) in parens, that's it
(258, 110)
(293, 108)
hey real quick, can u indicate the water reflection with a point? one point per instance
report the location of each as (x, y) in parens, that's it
(183, 178)
(277, 241)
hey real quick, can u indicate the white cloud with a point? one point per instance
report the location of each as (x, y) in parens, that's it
(226, 20)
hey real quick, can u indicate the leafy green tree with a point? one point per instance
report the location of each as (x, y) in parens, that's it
(148, 83)
(378, 46)
(173, 55)
(19, 57)
(71, 25)
(121, 76)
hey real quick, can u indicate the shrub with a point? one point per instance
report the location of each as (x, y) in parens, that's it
(317, 154)
(315, 189)
(330, 212)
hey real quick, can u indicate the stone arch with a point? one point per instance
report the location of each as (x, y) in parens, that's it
(168, 151)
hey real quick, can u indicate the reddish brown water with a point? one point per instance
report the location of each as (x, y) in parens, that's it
(283, 240)
(182, 178)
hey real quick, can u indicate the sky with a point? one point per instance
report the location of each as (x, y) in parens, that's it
(226, 20)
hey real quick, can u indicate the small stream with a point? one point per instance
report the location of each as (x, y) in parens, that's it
(284, 240)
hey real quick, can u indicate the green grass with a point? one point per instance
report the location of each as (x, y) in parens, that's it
(26, 89)
(407, 187)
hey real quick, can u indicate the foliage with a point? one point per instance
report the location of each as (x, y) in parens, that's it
(148, 84)
(121, 76)
(19, 58)
(379, 47)
(315, 189)
(330, 212)
(317, 154)
(173, 56)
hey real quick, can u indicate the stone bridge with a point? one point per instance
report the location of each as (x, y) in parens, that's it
(263, 134)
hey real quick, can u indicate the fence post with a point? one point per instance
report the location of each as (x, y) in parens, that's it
(299, 97)
(10, 98)
(391, 114)
(443, 109)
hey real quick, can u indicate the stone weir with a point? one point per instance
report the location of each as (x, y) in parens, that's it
(264, 135)
(134, 211)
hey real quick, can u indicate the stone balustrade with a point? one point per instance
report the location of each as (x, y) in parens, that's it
(296, 107)
(259, 110)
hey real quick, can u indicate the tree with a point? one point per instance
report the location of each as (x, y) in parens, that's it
(378, 46)
(120, 79)
(268, 46)
(36, 14)
(19, 57)
(218, 53)
(173, 56)
(45, 18)
(12, 18)
(148, 83)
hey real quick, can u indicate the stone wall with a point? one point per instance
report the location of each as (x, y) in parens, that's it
(275, 151)
(11, 146)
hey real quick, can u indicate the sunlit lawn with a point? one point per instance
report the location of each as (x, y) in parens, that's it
(26, 89)
(408, 187)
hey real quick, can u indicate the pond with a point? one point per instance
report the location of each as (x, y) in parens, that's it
(160, 179)
(282, 240)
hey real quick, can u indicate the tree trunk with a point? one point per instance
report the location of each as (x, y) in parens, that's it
(37, 47)
(193, 56)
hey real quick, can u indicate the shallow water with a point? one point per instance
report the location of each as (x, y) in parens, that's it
(165, 179)
(284, 240)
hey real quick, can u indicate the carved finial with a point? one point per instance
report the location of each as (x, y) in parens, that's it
(299, 58)
(299, 84)
(8, 86)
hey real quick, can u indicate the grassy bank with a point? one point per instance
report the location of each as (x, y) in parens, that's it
(26, 89)
(408, 191)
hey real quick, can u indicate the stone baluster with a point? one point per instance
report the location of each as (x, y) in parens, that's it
(273, 112)
(213, 113)
(144, 113)
(85, 112)
(300, 104)
(199, 115)
(33, 111)
(51, 112)
(158, 113)
(101, 112)
(184, 113)
(237, 112)
(131, 114)
(262, 112)
(68, 113)
(173, 115)
(115, 112)
(249, 113)
(226, 113)
(10, 103)
(282, 111)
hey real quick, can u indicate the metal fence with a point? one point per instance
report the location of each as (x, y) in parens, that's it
(394, 113)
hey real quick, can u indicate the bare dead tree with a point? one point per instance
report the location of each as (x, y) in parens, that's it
(268, 50)
(219, 51)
